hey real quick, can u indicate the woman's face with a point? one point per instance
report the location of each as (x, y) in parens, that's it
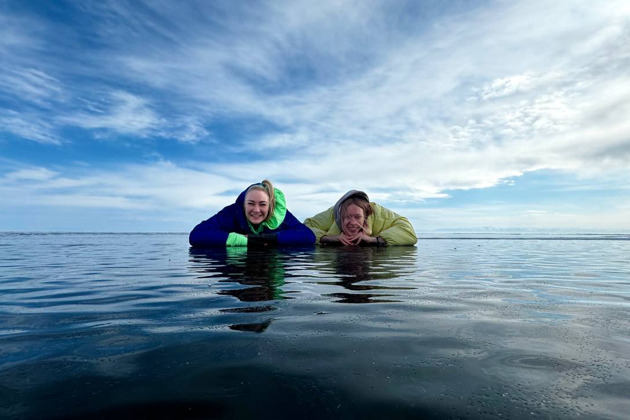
(256, 206)
(353, 220)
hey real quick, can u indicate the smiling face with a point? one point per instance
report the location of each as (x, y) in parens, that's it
(256, 206)
(353, 219)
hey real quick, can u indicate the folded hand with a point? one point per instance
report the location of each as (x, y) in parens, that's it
(355, 239)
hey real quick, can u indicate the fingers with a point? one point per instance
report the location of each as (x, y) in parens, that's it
(355, 239)
(350, 239)
(344, 240)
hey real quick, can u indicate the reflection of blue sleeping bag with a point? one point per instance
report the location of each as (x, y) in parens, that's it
(228, 227)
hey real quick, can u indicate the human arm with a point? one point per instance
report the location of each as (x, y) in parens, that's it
(360, 238)
(392, 227)
(323, 224)
(219, 230)
(293, 233)
(327, 231)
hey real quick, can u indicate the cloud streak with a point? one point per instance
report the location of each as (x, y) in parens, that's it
(411, 102)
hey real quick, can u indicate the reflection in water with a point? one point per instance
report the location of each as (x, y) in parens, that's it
(134, 326)
(253, 327)
(366, 274)
(359, 298)
(354, 268)
(261, 271)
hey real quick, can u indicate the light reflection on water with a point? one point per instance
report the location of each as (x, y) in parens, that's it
(141, 326)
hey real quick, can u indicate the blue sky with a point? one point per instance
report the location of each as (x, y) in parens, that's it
(464, 115)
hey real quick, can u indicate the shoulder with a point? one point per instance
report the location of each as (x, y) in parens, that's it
(229, 217)
(233, 208)
(324, 215)
(383, 213)
(377, 209)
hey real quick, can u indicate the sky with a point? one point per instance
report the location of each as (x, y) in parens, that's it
(150, 116)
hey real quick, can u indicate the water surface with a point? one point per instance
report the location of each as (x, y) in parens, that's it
(461, 326)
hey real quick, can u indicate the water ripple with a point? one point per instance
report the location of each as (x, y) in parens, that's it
(462, 327)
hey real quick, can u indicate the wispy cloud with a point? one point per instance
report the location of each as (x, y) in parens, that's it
(518, 218)
(37, 174)
(29, 126)
(135, 186)
(121, 112)
(169, 191)
(30, 85)
(406, 100)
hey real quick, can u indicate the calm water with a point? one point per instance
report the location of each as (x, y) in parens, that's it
(139, 326)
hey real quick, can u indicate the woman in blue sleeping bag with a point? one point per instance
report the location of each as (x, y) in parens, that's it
(258, 218)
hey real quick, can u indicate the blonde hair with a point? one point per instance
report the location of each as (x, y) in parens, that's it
(267, 187)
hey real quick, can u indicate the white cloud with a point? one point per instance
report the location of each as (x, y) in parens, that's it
(461, 99)
(482, 217)
(507, 86)
(164, 190)
(29, 126)
(121, 112)
(89, 201)
(135, 186)
(30, 85)
(186, 130)
(36, 174)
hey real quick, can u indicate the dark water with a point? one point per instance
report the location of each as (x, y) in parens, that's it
(138, 326)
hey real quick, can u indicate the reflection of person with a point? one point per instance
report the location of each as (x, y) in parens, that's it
(260, 271)
(353, 220)
(368, 274)
(259, 217)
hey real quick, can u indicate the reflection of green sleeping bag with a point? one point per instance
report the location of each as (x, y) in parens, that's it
(267, 265)
(276, 279)
(235, 255)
